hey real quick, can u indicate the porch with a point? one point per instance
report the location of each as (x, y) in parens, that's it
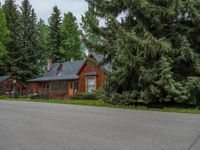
(57, 89)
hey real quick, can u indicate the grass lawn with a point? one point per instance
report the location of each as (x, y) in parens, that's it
(103, 104)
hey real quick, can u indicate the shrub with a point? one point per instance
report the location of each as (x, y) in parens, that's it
(86, 96)
(126, 98)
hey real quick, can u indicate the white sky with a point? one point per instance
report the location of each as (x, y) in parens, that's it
(43, 8)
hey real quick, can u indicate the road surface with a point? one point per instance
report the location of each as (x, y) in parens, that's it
(40, 126)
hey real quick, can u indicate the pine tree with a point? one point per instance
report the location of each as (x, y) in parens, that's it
(71, 43)
(8, 65)
(27, 56)
(3, 33)
(42, 55)
(153, 47)
(54, 37)
(87, 31)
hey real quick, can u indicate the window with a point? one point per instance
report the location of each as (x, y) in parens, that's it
(59, 86)
(90, 84)
(75, 86)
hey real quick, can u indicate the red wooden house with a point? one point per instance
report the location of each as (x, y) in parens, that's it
(62, 80)
(9, 84)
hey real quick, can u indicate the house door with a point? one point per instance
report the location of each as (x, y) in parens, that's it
(71, 88)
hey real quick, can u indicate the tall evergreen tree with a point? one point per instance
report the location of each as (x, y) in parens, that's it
(154, 50)
(27, 56)
(3, 33)
(86, 30)
(42, 55)
(71, 43)
(54, 37)
(8, 65)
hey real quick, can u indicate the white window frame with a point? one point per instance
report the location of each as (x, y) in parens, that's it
(94, 86)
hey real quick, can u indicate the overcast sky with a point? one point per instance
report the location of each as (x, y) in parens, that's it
(44, 8)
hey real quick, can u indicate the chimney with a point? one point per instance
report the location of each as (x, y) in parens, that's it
(49, 64)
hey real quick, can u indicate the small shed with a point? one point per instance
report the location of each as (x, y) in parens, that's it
(9, 85)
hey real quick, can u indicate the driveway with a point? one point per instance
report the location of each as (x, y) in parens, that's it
(40, 126)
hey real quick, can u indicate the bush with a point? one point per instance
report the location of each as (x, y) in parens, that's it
(126, 98)
(86, 96)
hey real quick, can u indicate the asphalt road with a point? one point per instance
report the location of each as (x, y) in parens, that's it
(40, 126)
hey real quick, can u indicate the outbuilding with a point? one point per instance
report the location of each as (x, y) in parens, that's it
(9, 85)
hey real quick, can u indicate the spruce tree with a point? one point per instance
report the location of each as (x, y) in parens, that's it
(3, 34)
(27, 56)
(42, 55)
(86, 29)
(153, 47)
(71, 43)
(9, 65)
(54, 37)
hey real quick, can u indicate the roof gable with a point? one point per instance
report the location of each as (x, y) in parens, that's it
(3, 78)
(99, 58)
(62, 71)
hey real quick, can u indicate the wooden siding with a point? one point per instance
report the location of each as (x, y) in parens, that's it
(34, 87)
(54, 89)
(100, 78)
(7, 86)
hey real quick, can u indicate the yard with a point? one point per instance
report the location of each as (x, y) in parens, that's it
(101, 103)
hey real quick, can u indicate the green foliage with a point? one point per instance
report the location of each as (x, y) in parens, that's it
(192, 84)
(71, 43)
(126, 98)
(3, 33)
(88, 18)
(21, 58)
(42, 53)
(28, 44)
(9, 65)
(27, 55)
(54, 37)
(86, 96)
(153, 48)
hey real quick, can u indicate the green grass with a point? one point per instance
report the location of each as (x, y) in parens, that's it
(103, 104)
(182, 110)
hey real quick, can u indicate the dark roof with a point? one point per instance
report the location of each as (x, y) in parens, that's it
(3, 78)
(67, 72)
(56, 78)
(68, 68)
(100, 58)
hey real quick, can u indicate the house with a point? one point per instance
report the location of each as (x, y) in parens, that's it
(9, 84)
(63, 80)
